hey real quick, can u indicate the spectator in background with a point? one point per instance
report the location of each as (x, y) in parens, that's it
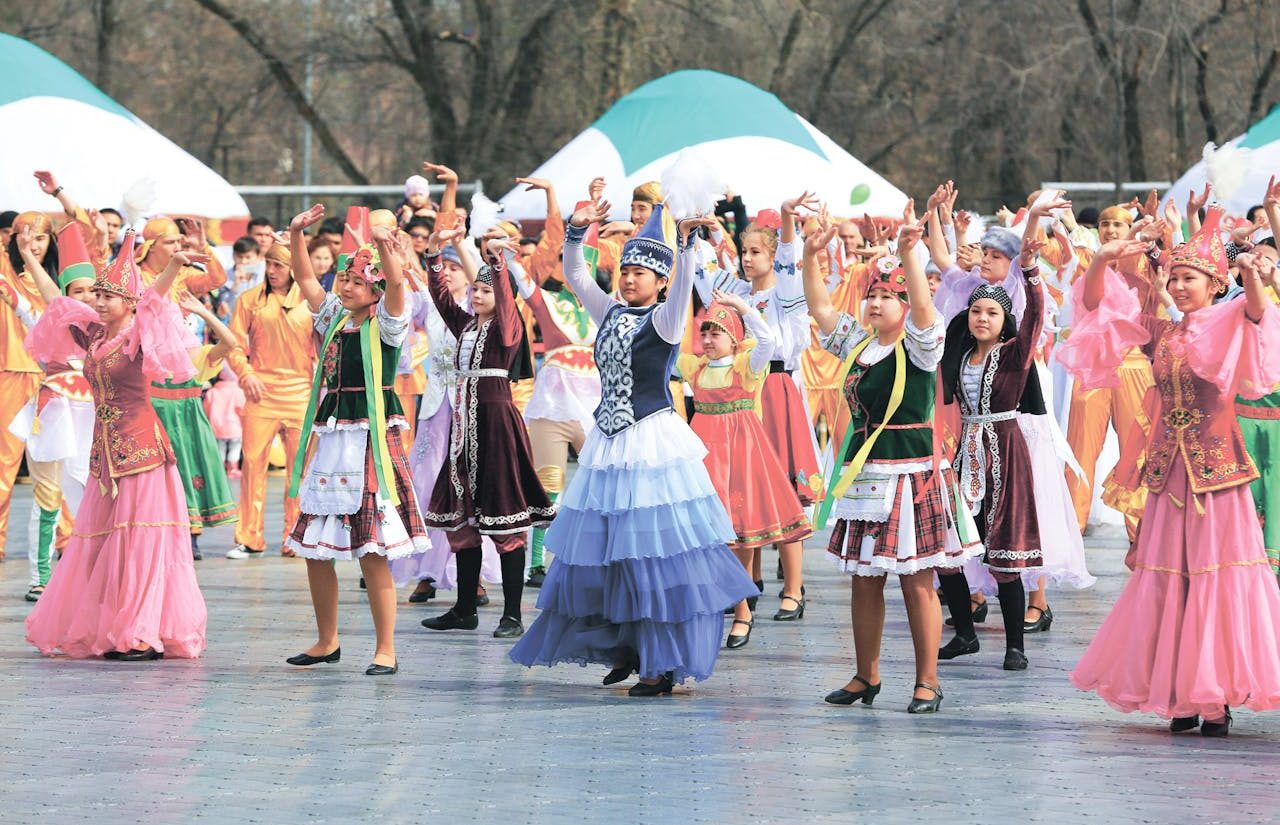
(249, 265)
(331, 233)
(6, 225)
(323, 260)
(115, 229)
(263, 233)
(417, 200)
(420, 230)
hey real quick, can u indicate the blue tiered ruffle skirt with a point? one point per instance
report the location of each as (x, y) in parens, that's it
(642, 570)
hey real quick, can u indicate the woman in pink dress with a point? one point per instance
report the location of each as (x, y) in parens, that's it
(1197, 627)
(126, 588)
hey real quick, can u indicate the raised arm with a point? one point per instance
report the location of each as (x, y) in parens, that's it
(213, 276)
(594, 300)
(790, 208)
(505, 313)
(228, 341)
(49, 185)
(48, 289)
(448, 214)
(936, 242)
(389, 252)
(816, 296)
(1255, 271)
(455, 317)
(181, 258)
(672, 316)
(1094, 280)
(303, 275)
(757, 326)
(923, 313)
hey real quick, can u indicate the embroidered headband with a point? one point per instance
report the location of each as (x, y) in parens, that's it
(889, 275)
(367, 263)
(994, 293)
(727, 319)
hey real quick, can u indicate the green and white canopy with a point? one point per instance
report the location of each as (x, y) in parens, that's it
(1263, 142)
(761, 150)
(53, 118)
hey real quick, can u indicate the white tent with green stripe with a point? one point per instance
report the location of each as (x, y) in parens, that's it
(1263, 142)
(56, 119)
(758, 147)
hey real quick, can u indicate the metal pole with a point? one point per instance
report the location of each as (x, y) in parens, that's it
(306, 91)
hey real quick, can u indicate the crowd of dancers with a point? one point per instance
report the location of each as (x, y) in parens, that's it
(935, 392)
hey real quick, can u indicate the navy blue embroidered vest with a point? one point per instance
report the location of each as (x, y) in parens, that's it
(635, 368)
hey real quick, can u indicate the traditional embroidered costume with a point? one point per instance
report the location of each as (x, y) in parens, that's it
(642, 568)
(127, 581)
(1197, 626)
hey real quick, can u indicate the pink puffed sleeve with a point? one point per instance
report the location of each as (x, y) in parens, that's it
(1101, 337)
(62, 332)
(163, 339)
(1227, 349)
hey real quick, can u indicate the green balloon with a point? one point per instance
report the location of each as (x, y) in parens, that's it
(859, 194)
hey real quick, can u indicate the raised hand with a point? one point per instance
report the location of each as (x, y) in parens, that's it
(532, 184)
(443, 173)
(1197, 202)
(909, 235)
(909, 211)
(1151, 205)
(191, 303)
(940, 196)
(686, 227)
(1030, 252)
(187, 257)
(302, 220)
(1171, 214)
(194, 238)
(817, 242)
(968, 256)
(1271, 198)
(383, 235)
(595, 189)
(1003, 215)
(440, 237)
(1121, 249)
(731, 300)
(1041, 210)
(593, 212)
(806, 200)
(962, 221)
(46, 181)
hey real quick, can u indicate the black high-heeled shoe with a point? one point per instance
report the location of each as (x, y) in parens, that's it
(959, 647)
(1042, 623)
(1217, 730)
(978, 614)
(620, 673)
(792, 615)
(782, 594)
(926, 705)
(423, 594)
(382, 670)
(306, 660)
(663, 685)
(736, 641)
(841, 696)
(1182, 724)
(148, 655)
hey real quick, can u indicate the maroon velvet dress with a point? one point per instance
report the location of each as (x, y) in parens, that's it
(488, 484)
(992, 461)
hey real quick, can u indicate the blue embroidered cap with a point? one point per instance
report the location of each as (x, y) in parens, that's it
(648, 248)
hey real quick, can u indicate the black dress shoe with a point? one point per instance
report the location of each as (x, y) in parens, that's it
(736, 641)
(847, 697)
(793, 614)
(362, 584)
(1217, 729)
(1182, 724)
(1015, 659)
(537, 575)
(150, 654)
(423, 594)
(979, 614)
(382, 670)
(1042, 622)
(305, 659)
(452, 621)
(112, 655)
(620, 673)
(926, 705)
(959, 647)
(660, 687)
(508, 628)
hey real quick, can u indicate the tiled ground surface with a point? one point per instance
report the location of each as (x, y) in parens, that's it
(463, 735)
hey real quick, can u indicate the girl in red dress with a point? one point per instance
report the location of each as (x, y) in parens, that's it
(743, 465)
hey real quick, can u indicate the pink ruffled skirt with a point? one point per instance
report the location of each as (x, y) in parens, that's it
(126, 580)
(1198, 624)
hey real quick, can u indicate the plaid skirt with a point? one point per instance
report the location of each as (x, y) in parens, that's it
(374, 527)
(925, 530)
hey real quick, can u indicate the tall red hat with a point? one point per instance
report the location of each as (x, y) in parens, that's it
(1205, 251)
(122, 277)
(73, 255)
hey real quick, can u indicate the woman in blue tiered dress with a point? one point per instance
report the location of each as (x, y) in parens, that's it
(642, 570)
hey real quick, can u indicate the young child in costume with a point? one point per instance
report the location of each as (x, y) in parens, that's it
(57, 425)
(488, 485)
(745, 469)
(126, 588)
(357, 496)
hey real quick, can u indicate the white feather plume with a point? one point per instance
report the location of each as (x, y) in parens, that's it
(485, 215)
(690, 186)
(1226, 169)
(137, 201)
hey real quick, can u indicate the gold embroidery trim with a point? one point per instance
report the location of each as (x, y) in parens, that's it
(183, 524)
(1202, 570)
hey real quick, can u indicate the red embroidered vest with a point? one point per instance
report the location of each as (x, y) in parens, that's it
(127, 436)
(1197, 425)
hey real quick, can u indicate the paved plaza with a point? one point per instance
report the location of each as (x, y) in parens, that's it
(464, 735)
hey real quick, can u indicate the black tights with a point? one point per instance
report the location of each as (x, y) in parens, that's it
(469, 581)
(1013, 607)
